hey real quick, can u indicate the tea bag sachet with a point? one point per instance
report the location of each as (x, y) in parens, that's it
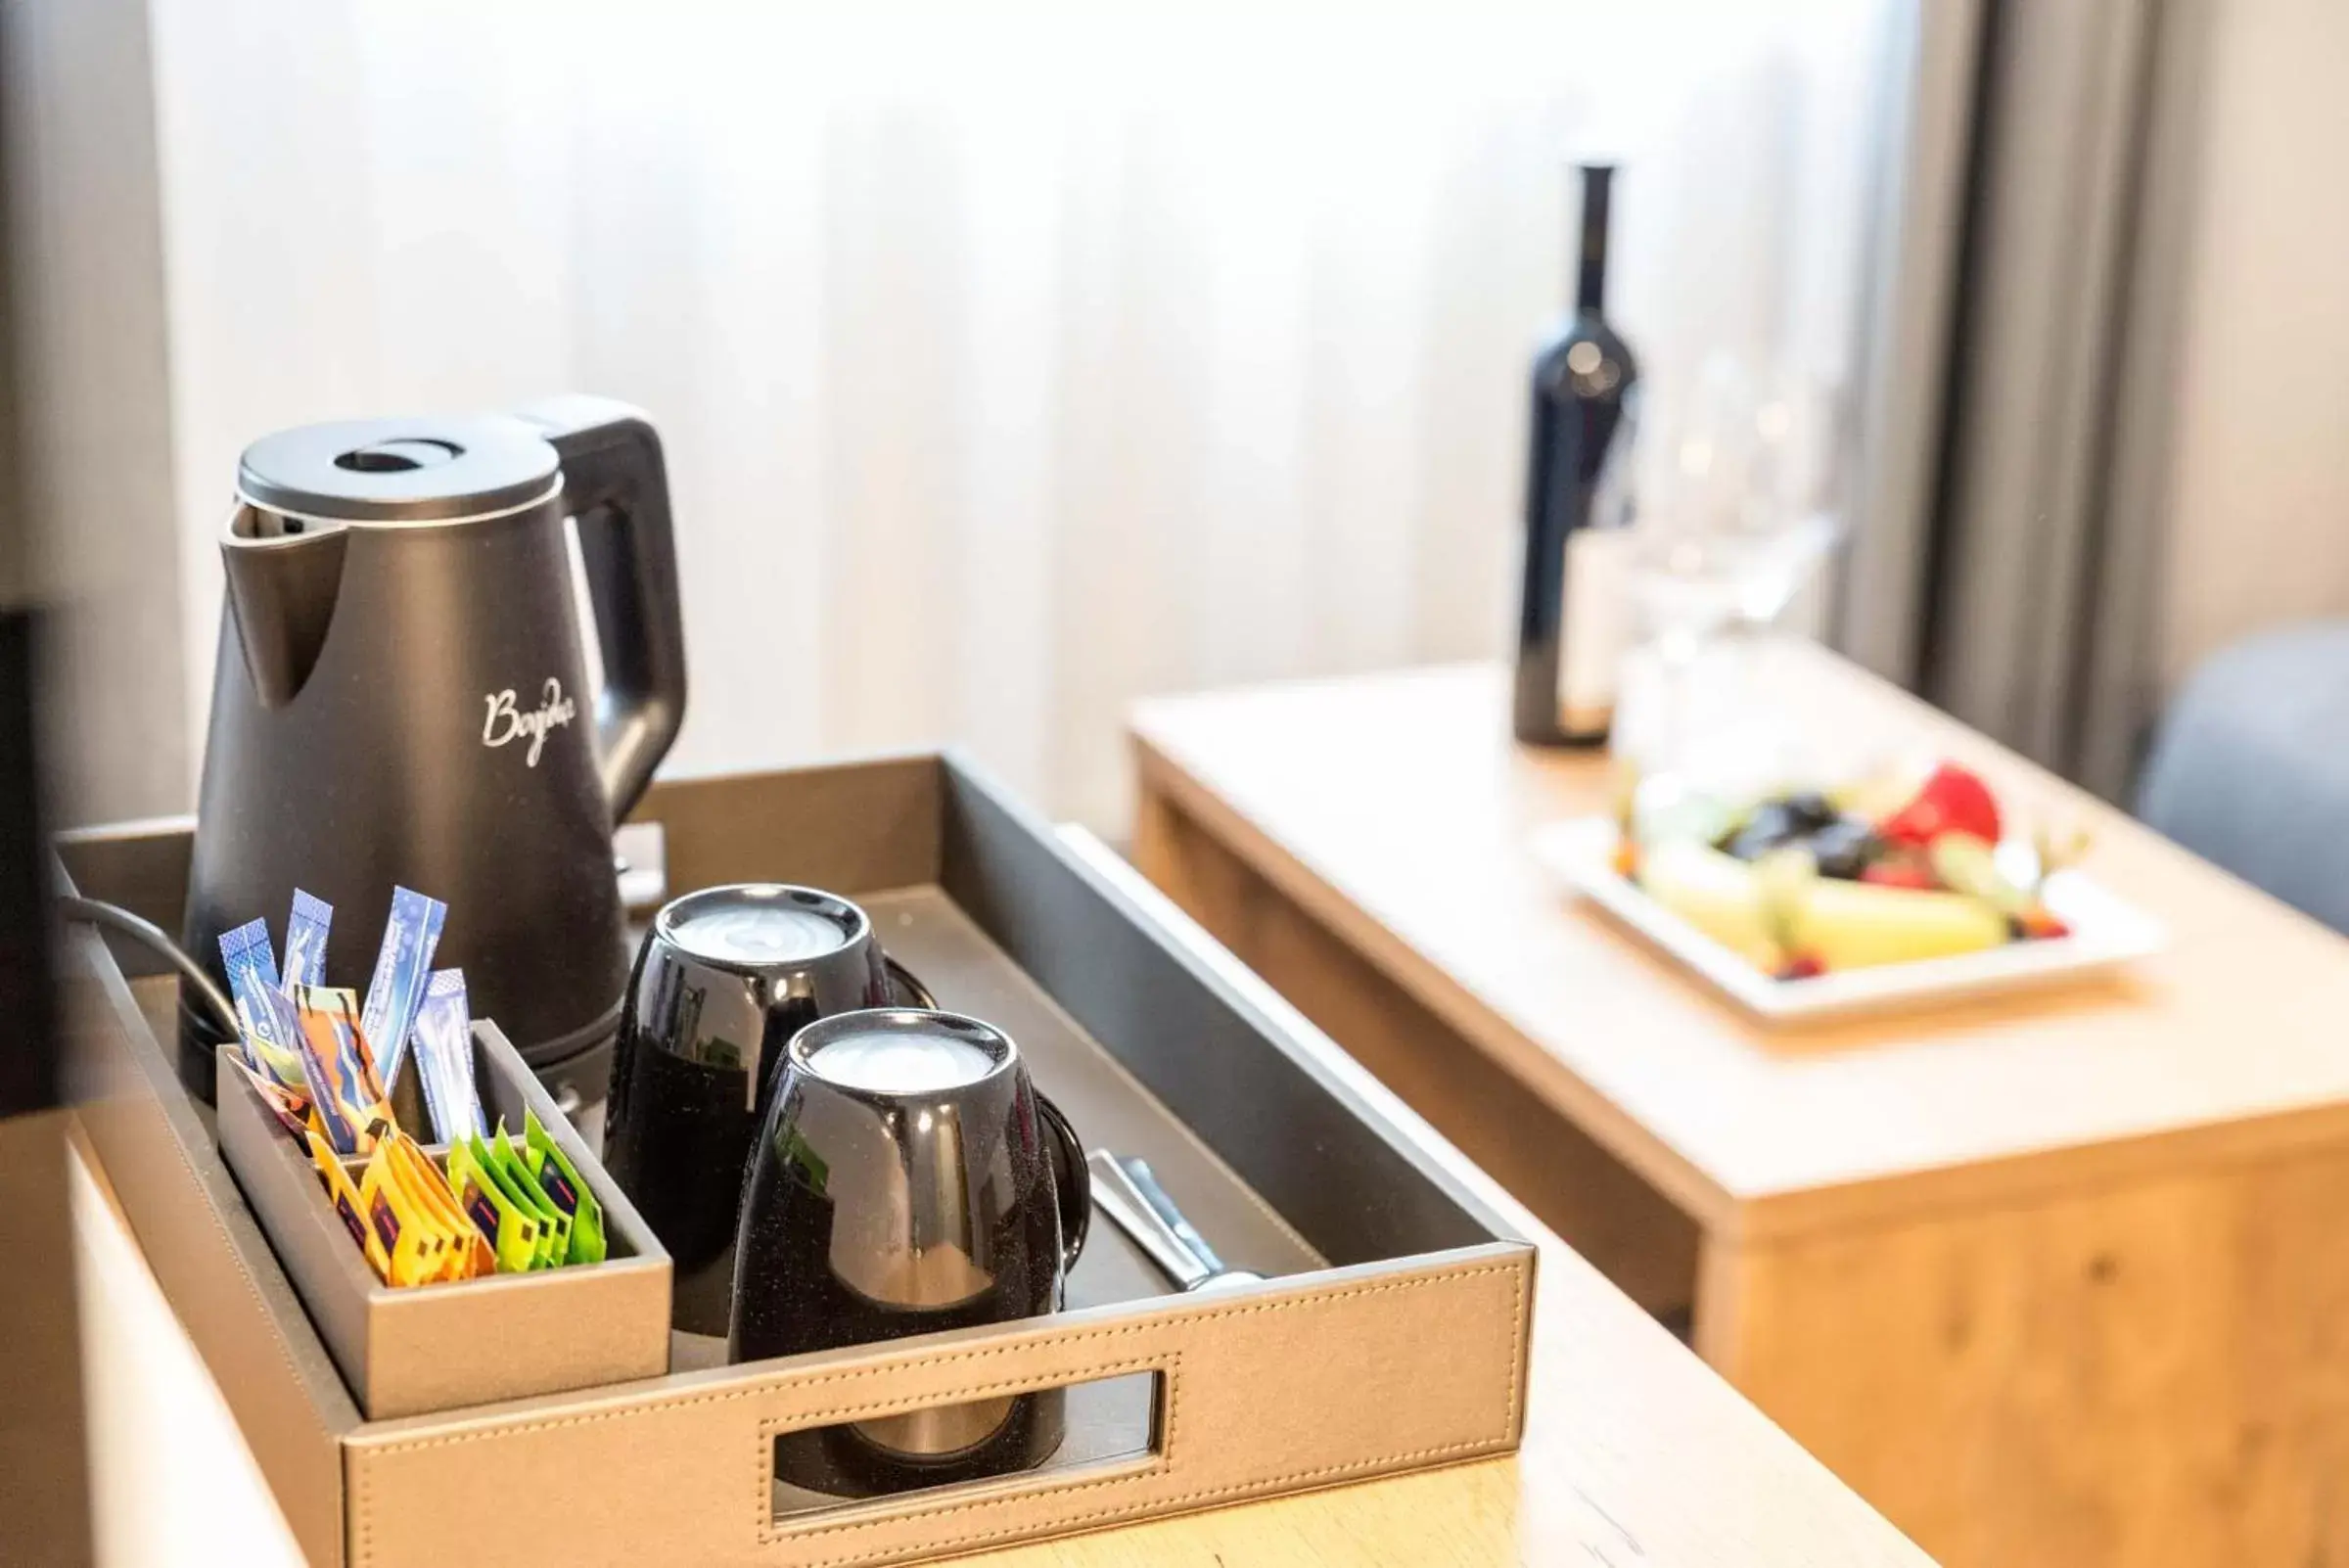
(554, 1225)
(560, 1180)
(344, 1196)
(468, 1252)
(512, 1229)
(343, 1083)
(290, 1106)
(401, 1220)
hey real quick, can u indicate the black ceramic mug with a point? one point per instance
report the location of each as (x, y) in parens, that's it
(723, 979)
(908, 1180)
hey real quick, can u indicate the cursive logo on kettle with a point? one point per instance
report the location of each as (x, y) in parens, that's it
(507, 723)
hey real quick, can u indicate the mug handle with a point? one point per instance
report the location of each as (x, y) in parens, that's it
(1072, 1181)
(903, 979)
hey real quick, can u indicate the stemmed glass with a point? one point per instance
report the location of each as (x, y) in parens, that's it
(1734, 525)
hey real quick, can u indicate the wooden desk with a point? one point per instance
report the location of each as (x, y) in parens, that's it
(2051, 1280)
(1634, 1454)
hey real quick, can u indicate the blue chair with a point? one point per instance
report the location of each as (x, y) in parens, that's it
(2250, 767)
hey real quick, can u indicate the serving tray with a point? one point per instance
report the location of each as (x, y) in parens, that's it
(1390, 1335)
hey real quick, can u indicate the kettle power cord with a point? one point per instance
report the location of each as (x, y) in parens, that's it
(147, 934)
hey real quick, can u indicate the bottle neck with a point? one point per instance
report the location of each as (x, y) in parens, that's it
(1591, 265)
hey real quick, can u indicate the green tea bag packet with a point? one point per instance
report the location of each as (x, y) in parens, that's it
(512, 1229)
(554, 1225)
(560, 1180)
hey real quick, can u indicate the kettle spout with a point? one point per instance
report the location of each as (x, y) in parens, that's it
(283, 579)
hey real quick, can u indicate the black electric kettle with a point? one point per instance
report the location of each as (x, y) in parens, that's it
(401, 699)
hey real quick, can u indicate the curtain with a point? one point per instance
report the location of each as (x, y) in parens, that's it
(1013, 361)
(2026, 599)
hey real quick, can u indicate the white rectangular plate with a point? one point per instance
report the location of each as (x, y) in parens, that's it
(2106, 932)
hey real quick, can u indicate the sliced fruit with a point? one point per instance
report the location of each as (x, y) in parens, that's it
(2038, 925)
(1782, 820)
(1717, 895)
(1969, 864)
(1845, 847)
(1905, 869)
(1854, 925)
(1952, 800)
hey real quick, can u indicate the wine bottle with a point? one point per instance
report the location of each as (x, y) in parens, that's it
(1578, 507)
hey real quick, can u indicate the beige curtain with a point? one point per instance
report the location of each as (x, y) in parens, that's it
(1014, 360)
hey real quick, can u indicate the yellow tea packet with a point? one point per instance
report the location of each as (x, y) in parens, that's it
(468, 1253)
(405, 1226)
(346, 1199)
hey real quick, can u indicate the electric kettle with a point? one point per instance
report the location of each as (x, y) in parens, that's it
(401, 698)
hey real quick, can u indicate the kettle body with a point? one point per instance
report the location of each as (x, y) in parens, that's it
(402, 698)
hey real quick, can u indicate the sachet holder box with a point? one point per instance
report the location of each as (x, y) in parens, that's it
(410, 1350)
(1393, 1336)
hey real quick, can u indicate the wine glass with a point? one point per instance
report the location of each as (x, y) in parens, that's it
(1733, 528)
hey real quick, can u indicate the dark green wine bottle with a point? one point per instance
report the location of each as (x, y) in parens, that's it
(1577, 507)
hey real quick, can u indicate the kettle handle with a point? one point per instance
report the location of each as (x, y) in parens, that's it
(616, 486)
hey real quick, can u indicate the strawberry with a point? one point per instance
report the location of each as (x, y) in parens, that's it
(1952, 800)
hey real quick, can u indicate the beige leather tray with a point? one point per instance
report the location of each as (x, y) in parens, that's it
(1392, 1336)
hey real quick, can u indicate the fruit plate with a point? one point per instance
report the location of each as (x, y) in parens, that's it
(2106, 932)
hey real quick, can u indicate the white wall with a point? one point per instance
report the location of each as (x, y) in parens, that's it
(2259, 478)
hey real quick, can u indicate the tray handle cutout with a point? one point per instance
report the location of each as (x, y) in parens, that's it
(879, 1465)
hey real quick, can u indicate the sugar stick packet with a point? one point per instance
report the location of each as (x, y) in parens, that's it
(343, 1092)
(401, 965)
(252, 968)
(345, 1198)
(305, 942)
(560, 1180)
(444, 1047)
(512, 1232)
(554, 1225)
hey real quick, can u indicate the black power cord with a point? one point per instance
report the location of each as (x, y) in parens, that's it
(149, 935)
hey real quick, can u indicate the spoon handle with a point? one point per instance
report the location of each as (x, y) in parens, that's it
(1115, 1194)
(1146, 1184)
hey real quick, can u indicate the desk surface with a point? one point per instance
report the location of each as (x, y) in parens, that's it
(1635, 1452)
(1396, 810)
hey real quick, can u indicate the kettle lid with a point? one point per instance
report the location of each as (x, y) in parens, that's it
(428, 470)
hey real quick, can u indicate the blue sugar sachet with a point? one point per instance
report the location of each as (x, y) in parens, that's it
(402, 966)
(444, 1044)
(252, 969)
(305, 942)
